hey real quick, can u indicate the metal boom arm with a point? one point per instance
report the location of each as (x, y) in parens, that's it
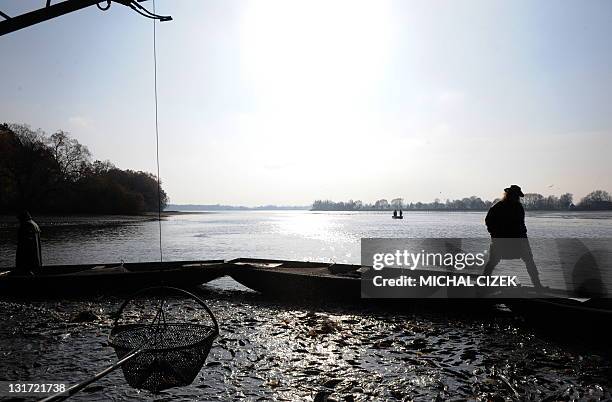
(11, 24)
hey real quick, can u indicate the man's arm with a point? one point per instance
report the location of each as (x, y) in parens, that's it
(490, 220)
(522, 215)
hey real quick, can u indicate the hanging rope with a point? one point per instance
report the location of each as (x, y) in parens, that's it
(103, 8)
(161, 253)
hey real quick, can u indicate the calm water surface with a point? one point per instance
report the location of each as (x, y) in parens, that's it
(298, 235)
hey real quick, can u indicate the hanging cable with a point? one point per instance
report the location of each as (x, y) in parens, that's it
(161, 253)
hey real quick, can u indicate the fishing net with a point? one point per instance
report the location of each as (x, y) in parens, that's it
(167, 353)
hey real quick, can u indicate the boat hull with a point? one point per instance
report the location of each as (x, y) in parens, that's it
(559, 313)
(291, 280)
(95, 279)
(296, 280)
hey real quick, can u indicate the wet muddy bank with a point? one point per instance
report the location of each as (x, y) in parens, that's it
(269, 350)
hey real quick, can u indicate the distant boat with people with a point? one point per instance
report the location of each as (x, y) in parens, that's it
(396, 215)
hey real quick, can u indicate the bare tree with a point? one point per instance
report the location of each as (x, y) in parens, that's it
(596, 200)
(566, 200)
(533, 201)
(381, 204)
(72, 157)
(597, 196)
(26, 164)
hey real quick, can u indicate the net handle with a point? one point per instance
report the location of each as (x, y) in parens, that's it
(165, 289)
(60, 396)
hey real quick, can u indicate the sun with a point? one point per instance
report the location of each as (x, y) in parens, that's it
(312, 69)
(314, 54)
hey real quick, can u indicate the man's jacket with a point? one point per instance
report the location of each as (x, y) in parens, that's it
(506, 219)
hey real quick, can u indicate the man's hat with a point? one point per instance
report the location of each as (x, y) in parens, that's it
(514, 189)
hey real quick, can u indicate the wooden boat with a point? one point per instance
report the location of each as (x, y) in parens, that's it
(565, 314)
(330, 281)
(298, 280)
(94, 279)
(398, 217)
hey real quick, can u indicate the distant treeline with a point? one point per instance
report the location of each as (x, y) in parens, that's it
(220, 207)
(596, 200)
(55, 174)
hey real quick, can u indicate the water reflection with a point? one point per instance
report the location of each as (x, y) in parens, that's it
(300, 235)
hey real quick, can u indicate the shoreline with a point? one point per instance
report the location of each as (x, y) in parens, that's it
(10, 221)
(44, 218)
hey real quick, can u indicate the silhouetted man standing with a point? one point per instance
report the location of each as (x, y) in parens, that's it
(506, 223)
(29, 259)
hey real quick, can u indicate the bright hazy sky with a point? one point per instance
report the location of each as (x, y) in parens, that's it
(288, 101)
